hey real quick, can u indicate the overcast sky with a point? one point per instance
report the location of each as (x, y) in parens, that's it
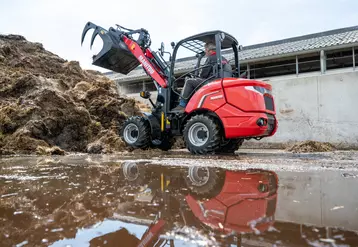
(58, 24)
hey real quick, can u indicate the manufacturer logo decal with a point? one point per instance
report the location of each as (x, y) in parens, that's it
(216, 97)
(146, 65)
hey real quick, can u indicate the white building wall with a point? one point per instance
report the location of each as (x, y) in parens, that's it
(318, 107)
(319, 199)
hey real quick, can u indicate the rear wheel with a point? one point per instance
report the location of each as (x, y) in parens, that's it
(136, 132)
(229, 146)
(202, 134)
(204, 181)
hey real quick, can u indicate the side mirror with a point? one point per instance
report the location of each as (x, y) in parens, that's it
(240, 47)
(145, 94)
(172, 44)
(222, 37)
(161, 49)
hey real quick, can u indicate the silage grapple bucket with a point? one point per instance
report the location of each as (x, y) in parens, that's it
(114, 55)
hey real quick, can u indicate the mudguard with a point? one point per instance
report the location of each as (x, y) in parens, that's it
(154, 125)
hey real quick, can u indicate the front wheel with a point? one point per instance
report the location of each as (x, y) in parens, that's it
(133, 174)
(136, 132)
(202, 134)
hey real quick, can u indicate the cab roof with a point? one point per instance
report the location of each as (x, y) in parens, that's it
(197, 42)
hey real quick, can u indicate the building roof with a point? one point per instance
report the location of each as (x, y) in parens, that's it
(293, 46)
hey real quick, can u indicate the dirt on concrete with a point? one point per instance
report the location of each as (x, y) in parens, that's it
(179, 143)
(49, 105)
(311, 146)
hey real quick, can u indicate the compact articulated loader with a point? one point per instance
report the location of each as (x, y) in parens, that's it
(221, 112)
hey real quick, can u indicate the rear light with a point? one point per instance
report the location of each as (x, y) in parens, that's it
(262, 90)
(266, 93)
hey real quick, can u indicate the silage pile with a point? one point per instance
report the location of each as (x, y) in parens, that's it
(311, 147)
(50, 105)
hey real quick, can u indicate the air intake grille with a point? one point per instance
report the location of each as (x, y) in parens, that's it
(271, 207)
(269, 103)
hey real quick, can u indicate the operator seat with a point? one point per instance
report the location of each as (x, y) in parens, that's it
(227, 70)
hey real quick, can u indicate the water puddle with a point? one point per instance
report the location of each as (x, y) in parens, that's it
(84, 202)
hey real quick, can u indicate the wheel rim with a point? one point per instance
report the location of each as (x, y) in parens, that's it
(131, 133)
(130, 171)
(199, 176)
(198, 134)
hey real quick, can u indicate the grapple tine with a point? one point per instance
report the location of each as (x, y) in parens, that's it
(87, 27)
(95, 33)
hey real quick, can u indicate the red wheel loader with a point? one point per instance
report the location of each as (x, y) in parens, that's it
(222, 112)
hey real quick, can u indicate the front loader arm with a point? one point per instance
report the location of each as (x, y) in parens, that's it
(151, 237)
(146, 63)
(121, 53)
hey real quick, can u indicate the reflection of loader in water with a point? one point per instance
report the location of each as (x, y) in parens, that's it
(213, 201)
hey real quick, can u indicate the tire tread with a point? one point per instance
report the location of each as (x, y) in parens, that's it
(214, 131)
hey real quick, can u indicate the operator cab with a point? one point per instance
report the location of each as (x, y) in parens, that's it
(226, 46)
(196, 44)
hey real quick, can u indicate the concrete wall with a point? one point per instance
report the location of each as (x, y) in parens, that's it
(319, 107)
(317, 199)
(314, 107)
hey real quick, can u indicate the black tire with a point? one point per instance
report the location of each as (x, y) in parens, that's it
(211, 133)
(208, 184)
(133, 174)
(139, 136)
(166, 144)
(229, 146)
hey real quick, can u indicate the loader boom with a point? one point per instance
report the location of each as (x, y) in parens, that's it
(151, 69)
(120, 50)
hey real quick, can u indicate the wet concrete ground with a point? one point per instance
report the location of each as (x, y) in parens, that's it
(255, 198)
